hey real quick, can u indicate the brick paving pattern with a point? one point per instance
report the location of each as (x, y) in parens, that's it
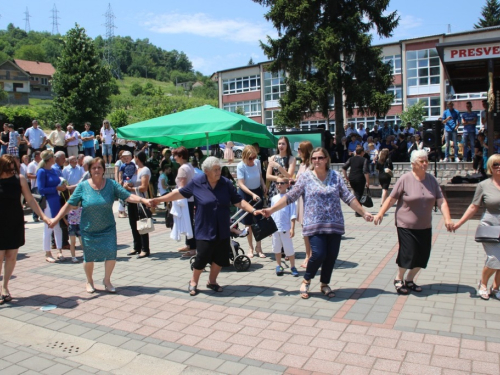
(259, 324)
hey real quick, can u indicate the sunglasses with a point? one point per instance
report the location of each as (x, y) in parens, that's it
(496, 165)
(281, 183)
(252, 158)
(319, 158)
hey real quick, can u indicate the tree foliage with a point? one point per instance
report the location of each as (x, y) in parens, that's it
(82, 85)
(414, 114)
(118, 118)
(31, 52)
(19, 115)
(490, 15)
(325, 48)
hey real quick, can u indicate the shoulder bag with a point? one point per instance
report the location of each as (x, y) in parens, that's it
(264, 228)
(366, 198)
(145, 223)
(488, 233)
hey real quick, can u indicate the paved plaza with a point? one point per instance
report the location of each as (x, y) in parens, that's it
(259, 324)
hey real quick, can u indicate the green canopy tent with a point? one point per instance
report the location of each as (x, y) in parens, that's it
(193, 127)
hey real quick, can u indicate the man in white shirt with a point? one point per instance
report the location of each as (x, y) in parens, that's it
(35, 137)
(362, 131)
(31, 174)
(107, 138)
(73, 173)
(57, 139)
(351, 129)
(72, 138)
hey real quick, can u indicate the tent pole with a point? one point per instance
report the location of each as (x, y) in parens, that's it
(206, 135)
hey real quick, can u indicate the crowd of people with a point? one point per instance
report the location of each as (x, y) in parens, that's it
(73, 197)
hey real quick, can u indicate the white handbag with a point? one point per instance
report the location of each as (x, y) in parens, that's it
(145, 225)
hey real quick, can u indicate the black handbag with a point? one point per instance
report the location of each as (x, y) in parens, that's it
(488, 233)
(42, 201)
(366, 198)
(264, 228)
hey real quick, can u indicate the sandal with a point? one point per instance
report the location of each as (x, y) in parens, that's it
(135, 252)
(189, 254)
(400, 287)
(60, 257)
(412, 286)
(215, 287)
(89, 288)
(192, 289)
(262, 255)
(6, 298)
(304, 290)
(494, 293)
(327, 291)
(50, 260)
(482, 290)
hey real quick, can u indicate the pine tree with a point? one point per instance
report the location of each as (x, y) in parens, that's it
(82, 85)
(490, 15)
(325, 48)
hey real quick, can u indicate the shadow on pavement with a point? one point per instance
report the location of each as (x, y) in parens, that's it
(444, 288)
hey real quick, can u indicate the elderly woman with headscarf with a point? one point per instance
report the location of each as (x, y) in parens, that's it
(416, 193)
(213, 197)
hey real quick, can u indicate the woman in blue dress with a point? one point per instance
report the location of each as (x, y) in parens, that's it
(49, 186)
(98, 227)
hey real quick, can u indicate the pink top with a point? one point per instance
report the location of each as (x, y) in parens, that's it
(416, 200)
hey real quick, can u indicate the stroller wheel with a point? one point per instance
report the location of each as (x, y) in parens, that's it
(240, 251)
(241, 263)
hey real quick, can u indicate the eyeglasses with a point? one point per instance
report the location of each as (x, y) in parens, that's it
(319, 158)
(281, 183)
(496, 165)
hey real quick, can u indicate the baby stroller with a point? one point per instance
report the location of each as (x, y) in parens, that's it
(237, 255)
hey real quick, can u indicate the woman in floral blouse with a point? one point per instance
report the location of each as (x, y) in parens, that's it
(323, 222)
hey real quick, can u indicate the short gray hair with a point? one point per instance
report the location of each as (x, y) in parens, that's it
(59, 153)
(209, 163)
(87, 160)
(418, 154)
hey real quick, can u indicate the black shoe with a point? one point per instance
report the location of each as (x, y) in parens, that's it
(135, 252)
(143, 256)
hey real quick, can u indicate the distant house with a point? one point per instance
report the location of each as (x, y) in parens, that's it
(40, 77)
(16, 82)
(197, 84)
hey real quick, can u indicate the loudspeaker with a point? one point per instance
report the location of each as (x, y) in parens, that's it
(432, 134)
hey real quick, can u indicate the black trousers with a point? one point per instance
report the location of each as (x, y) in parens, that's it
(141, 241)
(192, 241)
(358, 187)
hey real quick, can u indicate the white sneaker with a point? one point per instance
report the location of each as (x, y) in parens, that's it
(457, 160)
(75, 260)
(244, 232)
(445, 160)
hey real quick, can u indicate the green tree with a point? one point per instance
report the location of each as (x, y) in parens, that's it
(414, 114)
(31, 52)
(3, 94)
(490, 15)
(135, 89)
(325, 48)
(250, 62)
(82, 84)
(118, 118)
(240, 111)
(3, 57)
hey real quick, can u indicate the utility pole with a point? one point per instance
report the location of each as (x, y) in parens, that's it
(110, 34)
(27, 16)
(55, 20)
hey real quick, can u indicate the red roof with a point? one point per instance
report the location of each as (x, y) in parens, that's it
(36, 67)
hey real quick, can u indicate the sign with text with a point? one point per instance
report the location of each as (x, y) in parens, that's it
(472, 52)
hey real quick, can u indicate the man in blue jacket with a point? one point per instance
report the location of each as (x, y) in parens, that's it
(451, 120)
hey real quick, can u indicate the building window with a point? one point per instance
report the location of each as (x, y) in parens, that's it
(241, 84)
(251, 107)
(397, 91)
(432, 105)
(313, 125)
(394, 61)
(269, 119)
(423, 67)
(274, 85)
(44, 81)
(369, 122)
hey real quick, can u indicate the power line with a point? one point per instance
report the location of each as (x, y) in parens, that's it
(27, 17)
(55, 21)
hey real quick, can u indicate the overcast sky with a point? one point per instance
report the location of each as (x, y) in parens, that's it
(217, 34)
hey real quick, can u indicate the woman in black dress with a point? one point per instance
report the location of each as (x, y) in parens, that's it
(359, 174)
(12, 185)
(384, 167)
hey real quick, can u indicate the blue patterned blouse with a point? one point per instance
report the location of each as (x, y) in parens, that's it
(322, 211)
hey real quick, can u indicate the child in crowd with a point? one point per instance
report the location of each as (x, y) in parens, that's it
(128, 169)
(285, 222)
(373, 157)
(74, 217)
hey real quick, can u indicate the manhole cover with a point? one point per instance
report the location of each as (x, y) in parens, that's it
(48, 307)
(65, 348)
